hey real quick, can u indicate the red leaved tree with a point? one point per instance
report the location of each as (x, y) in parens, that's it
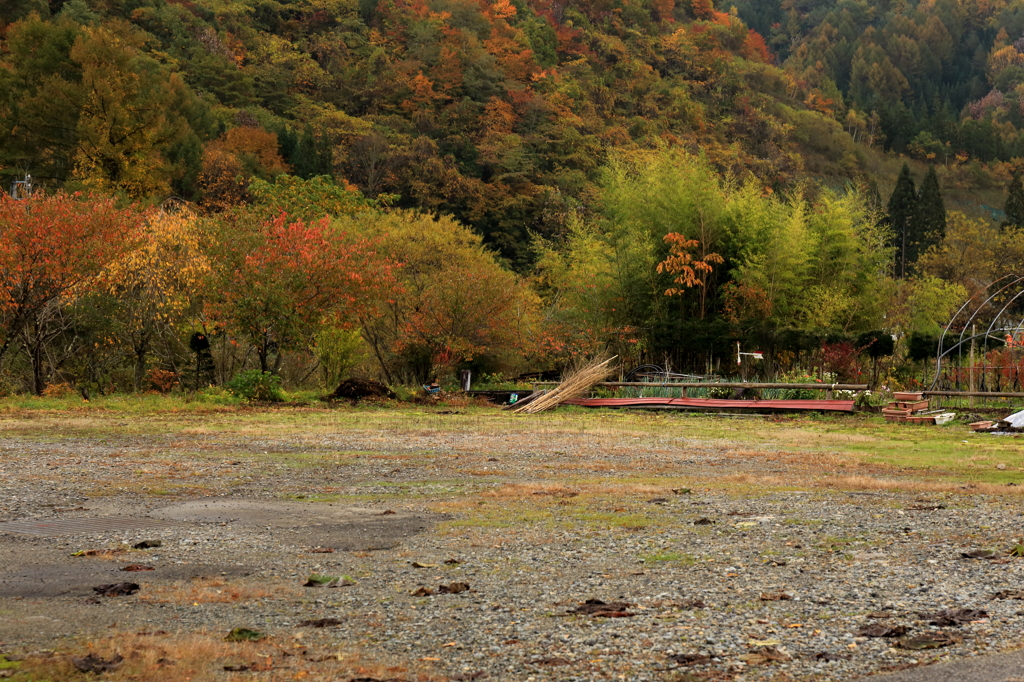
(51, 250)
(280, 280)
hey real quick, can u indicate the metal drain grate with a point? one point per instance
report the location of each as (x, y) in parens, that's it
(57, 527)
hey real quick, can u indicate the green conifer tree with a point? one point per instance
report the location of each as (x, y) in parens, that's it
(930, 225)
(1015, 203)
(902, 216)
(313, 156)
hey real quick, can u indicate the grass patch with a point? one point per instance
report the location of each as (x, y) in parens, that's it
(846, 451)
(161, 657)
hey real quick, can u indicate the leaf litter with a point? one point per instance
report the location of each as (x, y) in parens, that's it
(600, 609)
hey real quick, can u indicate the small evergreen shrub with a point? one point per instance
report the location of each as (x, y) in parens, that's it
(253, 384)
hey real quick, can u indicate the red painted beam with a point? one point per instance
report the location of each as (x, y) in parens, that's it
(715, 403)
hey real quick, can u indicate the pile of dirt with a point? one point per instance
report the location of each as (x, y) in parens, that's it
(357, 389)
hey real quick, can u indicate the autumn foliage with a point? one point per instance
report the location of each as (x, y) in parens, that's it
(51, 251)
(279, 279)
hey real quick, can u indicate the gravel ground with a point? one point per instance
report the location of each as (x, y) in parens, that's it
(724, 578)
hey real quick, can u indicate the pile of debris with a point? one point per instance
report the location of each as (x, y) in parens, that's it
(358, 389)
(1012, 424)
(912, 408)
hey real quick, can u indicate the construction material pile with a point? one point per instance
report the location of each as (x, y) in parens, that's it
(576, 385)
(1012, 424)
(912, 408)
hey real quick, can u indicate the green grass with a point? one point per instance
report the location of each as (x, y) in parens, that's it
(892, 450)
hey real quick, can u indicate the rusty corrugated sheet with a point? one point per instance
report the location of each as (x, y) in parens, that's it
(720, 404)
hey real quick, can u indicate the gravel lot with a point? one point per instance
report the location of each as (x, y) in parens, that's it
(706, 570)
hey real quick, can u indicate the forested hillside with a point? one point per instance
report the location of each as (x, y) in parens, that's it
(499, 113)
(407, 187)
(936, 79)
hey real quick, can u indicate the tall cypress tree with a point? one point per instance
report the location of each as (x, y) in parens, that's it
(902, 216)
(1015, 203)
(930, 226)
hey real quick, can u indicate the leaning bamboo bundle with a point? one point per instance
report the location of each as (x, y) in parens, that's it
(574, 386)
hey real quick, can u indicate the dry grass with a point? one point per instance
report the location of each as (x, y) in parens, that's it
(162, 657)
(213, 591)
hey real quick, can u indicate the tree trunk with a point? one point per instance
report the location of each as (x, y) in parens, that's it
(141, 349)
(38, 381)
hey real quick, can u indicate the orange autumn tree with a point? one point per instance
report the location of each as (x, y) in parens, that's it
(690, 272)
(281, 279)
(52, 249)
(456, 304)
(703, 10)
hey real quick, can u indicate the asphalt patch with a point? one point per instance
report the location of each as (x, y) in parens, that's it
(311, 524)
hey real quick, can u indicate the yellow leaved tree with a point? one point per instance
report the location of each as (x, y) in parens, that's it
(158, 286)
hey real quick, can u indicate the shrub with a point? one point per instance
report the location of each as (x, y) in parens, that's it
(256, 385)
(162, 380)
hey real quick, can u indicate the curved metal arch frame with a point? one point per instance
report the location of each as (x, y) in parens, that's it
(1016, 280)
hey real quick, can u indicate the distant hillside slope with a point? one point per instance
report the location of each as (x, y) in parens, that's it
(500, 112)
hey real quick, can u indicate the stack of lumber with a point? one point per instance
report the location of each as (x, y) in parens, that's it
(908, 407)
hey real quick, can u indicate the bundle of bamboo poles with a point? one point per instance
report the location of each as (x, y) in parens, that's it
(576, 385)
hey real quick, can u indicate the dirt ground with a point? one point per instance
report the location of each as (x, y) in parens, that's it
(765, 556)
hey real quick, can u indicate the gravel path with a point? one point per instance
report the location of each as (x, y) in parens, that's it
(703, 571)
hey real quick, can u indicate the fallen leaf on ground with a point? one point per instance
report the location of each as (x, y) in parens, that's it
(691, 604)
(453, 588)
(690, 659)
(98, 552)
(319, 623)
(766, 655)
(1009, 594)
(1018, 550)
(244, 635)
(764, 642)
(982, 554)
(600, 609)
(116, 589)
(931, 640)
(775, 596)
(131, 568)
(882, 630)
(954, 616)
(318, 580)
(148, 544)
(827, 656)
(94, 664)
